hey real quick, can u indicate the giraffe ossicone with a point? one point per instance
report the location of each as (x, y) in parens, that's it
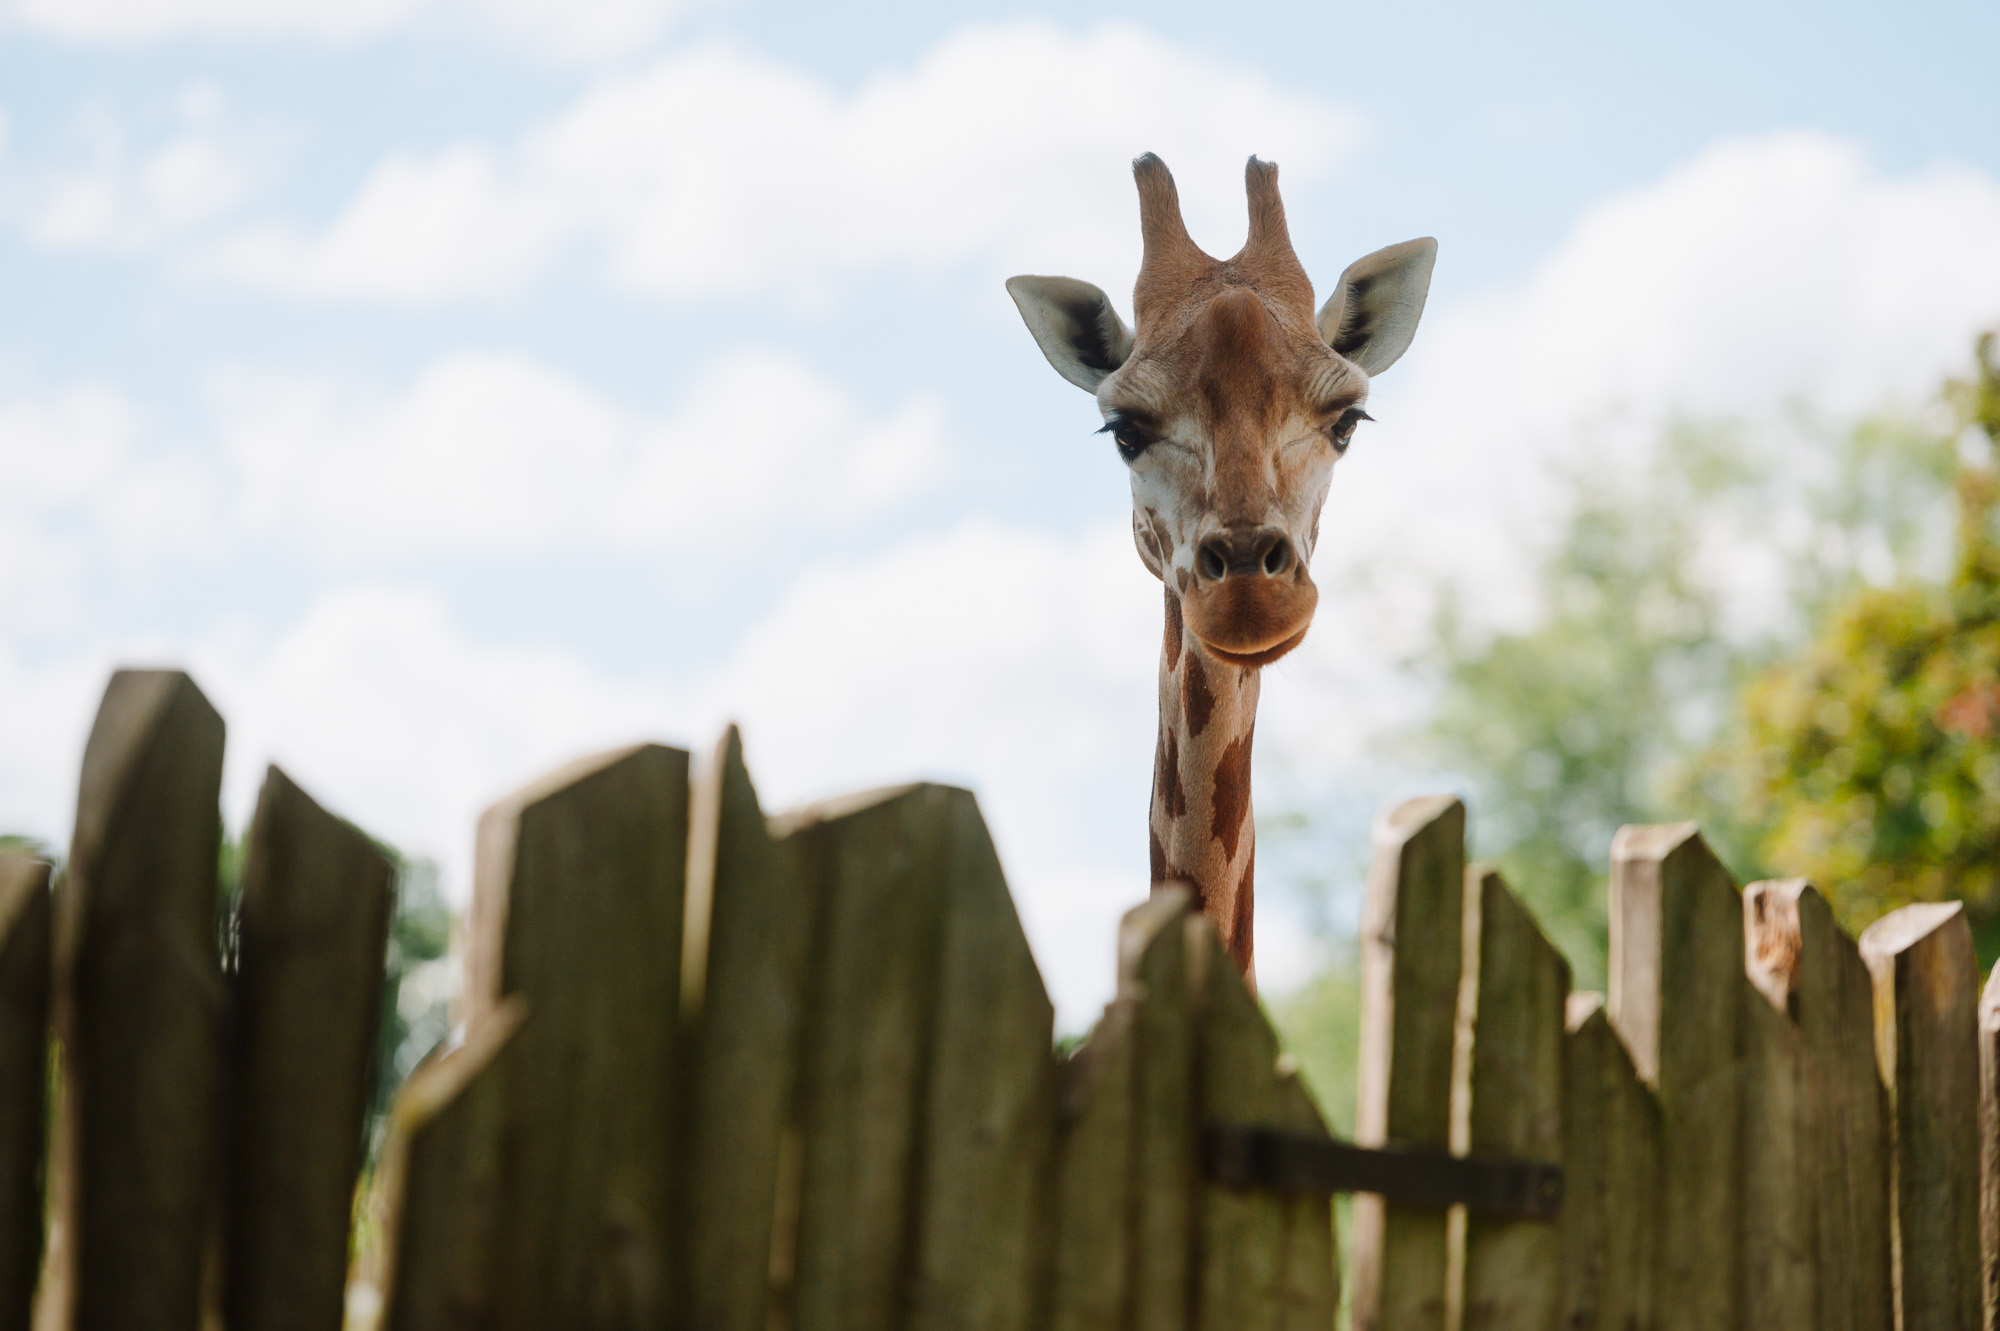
(1230, 399)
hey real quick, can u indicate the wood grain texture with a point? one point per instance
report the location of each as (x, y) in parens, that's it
(1094, 1182)
(985, 1165)
(1410, 955)
(879, 862)
(1515, 986)
(577, 910)
(1266, 1258)
(748, 1015)
(139, 1006)
(1153, 971)
(1989, 1152)
(1927, 1047)
(438, 1192)
(24, 1061)
(1805, 963)
(1779, 1262)
(317, 897)
(1677, 991)
(1610, 1213)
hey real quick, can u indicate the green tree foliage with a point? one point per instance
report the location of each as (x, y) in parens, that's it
(1669, 585)
(1870, 761)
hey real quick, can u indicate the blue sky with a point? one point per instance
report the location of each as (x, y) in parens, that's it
(460, 385)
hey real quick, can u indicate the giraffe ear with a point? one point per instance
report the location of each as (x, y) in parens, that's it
(1074, 325)
(1373, 311)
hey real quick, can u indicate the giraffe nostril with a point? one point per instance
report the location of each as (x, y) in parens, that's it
(1278, 558)
(1212, 561)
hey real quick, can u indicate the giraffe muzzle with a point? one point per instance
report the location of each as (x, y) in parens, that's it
(1252, 599)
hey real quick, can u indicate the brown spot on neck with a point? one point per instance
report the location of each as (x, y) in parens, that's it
(1197, 702)
(1229, 801)
(1167, 788)
(1240, 926)
(1172, 646)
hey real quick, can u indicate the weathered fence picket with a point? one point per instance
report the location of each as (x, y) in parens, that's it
(719, 1070)
(1266, 1259)
(1514, 988)
(1677, 988)
(1803, 962)
(317, 896)
(1926, 1038)
(24, 1059)
(577, 910)
(1609, 1223)
(140, 1004)
(1410, 952)
(988, 1141)
(751, 917)
(438, 1190)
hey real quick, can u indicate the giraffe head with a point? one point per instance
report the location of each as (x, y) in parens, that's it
(1230, 402)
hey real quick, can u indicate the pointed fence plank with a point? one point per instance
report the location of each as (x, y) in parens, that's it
(1806, 964)
(24, 1061)
(438, 1189)
(1267, 1258)
(877, 860)
(317, 896)
(984, 1203)
(1153, 969)
(578, 903)
(1610, 1212)
(1989, 1150)
(1779, 1288)
(1677, 992)
(139, 1007)
(1092, 1263)
(1927, 1045)
(751, 923)
(1410, 952)
(1516, 984)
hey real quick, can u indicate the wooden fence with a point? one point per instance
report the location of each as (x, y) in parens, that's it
(721, 1070)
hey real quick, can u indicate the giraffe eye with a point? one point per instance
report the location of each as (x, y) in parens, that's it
(1130, 438)
(1341, 432)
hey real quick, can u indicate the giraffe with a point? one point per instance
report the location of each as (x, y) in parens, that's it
(1230, 401)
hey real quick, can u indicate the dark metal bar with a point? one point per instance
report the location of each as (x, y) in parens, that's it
(1246, 1157)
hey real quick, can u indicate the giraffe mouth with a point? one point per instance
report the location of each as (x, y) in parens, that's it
(1263, 658)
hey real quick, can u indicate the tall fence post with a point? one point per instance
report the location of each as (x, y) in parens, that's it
(751, 916)
(578, 908)
(1610, 1214)
(139, 1006)
(1677, 990)
(1927, 1043)
(24, 1060)
(1410, 950)
(1807, 966)
(317, 896)
(1515, 986)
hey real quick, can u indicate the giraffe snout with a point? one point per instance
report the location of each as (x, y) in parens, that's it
(1246, 552)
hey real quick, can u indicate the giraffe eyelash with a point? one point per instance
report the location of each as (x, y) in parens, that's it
(1131, 440)
(1341, 433)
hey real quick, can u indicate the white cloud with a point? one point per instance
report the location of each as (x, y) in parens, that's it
(110, 193)
(562, 29)
(85, 487)
(491, 452)
(1767, 269)
(718, 170)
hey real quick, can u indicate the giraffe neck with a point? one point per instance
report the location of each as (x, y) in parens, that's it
(1202, 833)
